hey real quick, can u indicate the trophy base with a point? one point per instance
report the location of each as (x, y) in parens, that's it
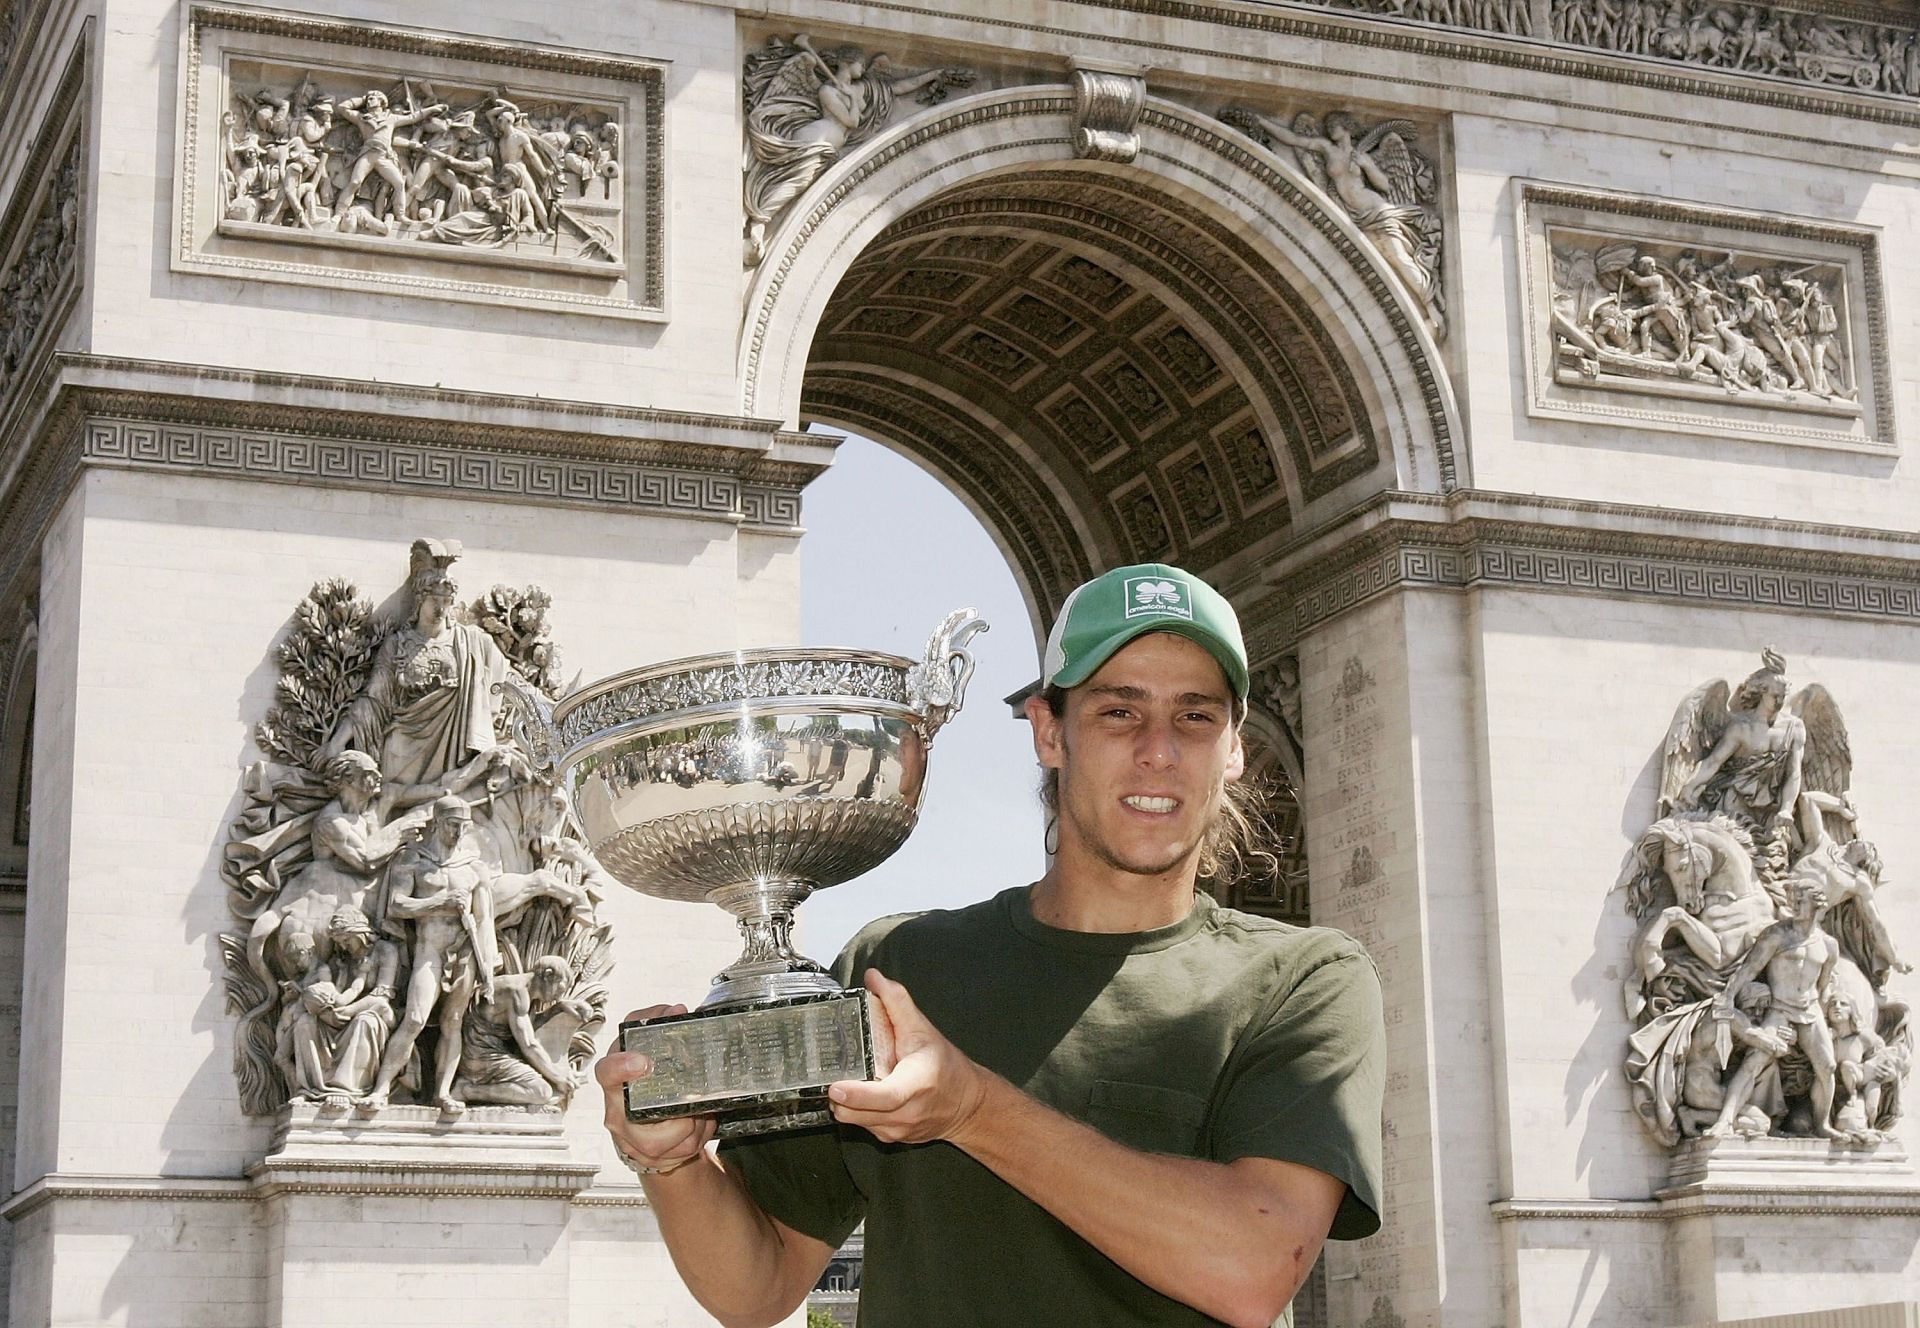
(762, 1068)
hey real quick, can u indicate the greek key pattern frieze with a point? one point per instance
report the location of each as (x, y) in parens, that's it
(1661, 568)
(392, 465)
(769, 508)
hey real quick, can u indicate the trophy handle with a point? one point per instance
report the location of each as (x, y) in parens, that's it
(530, 720)
(937, 688)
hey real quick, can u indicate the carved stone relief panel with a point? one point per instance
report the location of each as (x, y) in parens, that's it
(1667, 315)
(1763, 985)
(41, 232)
(415, 913)
(343, 154)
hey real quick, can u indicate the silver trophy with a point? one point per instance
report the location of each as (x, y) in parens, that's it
(751, 780)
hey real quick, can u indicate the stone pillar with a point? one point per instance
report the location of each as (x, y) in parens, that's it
(1392, 820)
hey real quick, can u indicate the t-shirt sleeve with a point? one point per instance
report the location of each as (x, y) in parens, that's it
(801, 1180)
(1306, 1085)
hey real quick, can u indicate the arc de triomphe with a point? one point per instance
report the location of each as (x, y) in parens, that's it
(1514, 366)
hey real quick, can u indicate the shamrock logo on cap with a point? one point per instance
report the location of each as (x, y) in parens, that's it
(1157, 596)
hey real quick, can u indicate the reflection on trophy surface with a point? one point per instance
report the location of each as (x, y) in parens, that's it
(751, 780)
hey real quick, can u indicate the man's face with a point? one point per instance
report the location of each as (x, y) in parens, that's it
(1144, 748)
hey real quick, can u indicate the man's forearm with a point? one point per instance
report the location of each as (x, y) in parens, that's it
(733, 1257)
(1222, 1239)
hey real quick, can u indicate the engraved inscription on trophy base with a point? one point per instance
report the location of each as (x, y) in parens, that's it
(759, 1068)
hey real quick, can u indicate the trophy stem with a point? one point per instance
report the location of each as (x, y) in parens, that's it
(769, 968)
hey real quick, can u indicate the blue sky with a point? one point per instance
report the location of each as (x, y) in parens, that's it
(889, 551)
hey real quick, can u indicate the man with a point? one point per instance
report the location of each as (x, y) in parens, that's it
(1113, 1102)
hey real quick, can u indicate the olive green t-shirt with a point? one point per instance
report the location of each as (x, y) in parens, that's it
(1220, 1037)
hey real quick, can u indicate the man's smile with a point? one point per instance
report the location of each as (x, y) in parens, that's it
(1142, 802)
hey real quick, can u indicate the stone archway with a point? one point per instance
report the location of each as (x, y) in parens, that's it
(1062, 339)
(1189, 357)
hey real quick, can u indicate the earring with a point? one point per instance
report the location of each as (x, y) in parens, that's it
(1051, 840)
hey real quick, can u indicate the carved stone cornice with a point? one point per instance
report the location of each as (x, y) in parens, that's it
(1475, 539)
(88, 410)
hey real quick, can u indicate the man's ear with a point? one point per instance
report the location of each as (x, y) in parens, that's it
(1236, 759)
(1049, 742)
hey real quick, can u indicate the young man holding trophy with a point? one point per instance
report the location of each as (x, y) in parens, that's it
(1111, 1100)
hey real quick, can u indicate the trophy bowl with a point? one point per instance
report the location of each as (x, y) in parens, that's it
(750, 780)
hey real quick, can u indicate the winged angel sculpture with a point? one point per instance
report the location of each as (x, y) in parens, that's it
(1759, 987)
(805, 107)
(414, 905)
(1379, 180)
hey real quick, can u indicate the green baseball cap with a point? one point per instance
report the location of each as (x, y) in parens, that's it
(1113, 608)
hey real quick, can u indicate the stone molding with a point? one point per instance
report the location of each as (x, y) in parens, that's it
(94, 411)
(1319, 22)
(1474, 539)
(633, 286)
(1845, 258)
(1826, 1201)
(420, 1177)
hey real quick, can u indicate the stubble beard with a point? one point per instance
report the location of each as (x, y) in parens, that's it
(1104, 852)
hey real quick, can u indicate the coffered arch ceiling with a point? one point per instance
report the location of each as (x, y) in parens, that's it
(1107, 372)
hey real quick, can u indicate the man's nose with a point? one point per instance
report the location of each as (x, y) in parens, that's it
(1155, 746)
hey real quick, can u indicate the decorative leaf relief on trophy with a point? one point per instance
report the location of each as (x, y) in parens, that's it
(735, 682)
(1380, 180)
(1760, 976)
(1633, 313)
(805, 108)
(324, 155)
(416, 912)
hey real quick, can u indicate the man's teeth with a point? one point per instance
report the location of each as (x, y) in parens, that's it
(1139, 803)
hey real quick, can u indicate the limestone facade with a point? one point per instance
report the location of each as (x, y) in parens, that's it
(1041, 249)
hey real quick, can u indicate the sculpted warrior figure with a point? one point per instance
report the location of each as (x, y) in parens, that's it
(440, 887)
(804, 108)
(376, 120)
(1721, 910)
(1798, 960)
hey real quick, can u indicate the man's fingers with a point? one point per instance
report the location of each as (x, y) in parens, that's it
(618, 1068)
(652, 1012)
(902, 1013)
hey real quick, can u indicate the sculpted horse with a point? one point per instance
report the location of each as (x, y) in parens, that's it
(1720, 909)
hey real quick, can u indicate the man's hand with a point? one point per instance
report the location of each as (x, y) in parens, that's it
(932, 1092)
(659, 1145)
